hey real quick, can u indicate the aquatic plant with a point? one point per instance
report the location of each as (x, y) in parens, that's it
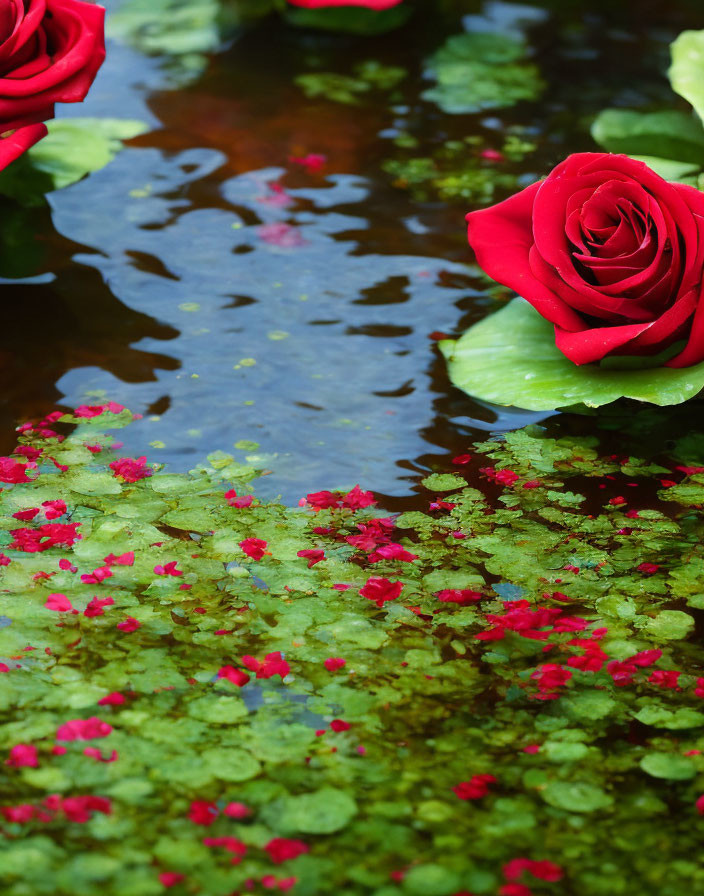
(211, 693)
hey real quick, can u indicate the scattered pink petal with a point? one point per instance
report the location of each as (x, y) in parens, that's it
(23, 756)
(236, 676)
(83, 729)
(59, 603)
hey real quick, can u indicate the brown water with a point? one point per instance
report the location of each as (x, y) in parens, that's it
(150, 281)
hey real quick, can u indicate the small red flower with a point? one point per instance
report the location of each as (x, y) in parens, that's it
(282, 850)
(273, 664)
(236, 676)
(202, 812)
(461, 596)
(130, 469)
(474, 789)
(381, 590)
(54, 509)
(240, 502)
(26, 516)
(113, 699)
(665, 678)
(83, 729)
(542, 870)
(97, 576)
(392, 551)
(129, 625)
(59, 603)
(231, 844)
(356, 499)
(23, 756)
(648, 569)
(254, 548)
(313, 556)
(80, 808)
(96, 606)
(126, 559)
(333, 663)
(236, 810)
(168, 569)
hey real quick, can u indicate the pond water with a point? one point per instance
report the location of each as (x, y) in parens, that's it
(492, 689)
(234, 299)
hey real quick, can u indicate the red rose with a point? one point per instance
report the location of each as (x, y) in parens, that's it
(607, 251)
(50, 52)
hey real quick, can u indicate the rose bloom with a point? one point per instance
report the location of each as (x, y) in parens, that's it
(50, 52)
(608, 252)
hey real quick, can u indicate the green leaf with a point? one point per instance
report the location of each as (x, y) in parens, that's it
(322, 812)
(687, 70)
(431, 880)
(670, 625)
(481, 70)
(350, 19)
(668, 134)
(443, 482)
(669, 766)
(171, 27)
(675, 720)
(73, 148)
(510, 358)
(575, 796)
(231, 764)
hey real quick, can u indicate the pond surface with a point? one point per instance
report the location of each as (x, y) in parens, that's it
(236, 299)
(496, 691)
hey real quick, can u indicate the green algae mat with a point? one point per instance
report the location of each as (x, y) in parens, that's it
(202, 693)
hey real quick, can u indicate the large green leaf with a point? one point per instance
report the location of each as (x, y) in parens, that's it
(73, 148)
(510, 358)
(687, 70)
(668, 134)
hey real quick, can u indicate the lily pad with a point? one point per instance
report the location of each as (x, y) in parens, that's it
(481, 70)
(510, 358)
(74, 147)
(322, 812)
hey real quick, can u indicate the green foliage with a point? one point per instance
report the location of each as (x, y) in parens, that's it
(184, 32)
(481, 70)
(668, 135)
(427, 703)
(176, 28)
(368, 75)
(687, 70)
(510, 358)
(350, 19)
(669, 141)
(73, 148)
(457, 169)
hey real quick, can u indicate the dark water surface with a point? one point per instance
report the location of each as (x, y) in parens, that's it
(178, 282)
